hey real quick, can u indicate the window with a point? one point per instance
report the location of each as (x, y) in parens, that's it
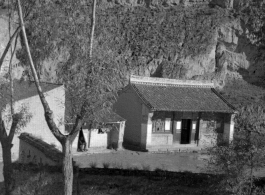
(162, 126)
(162, 122)
(178, 125)
(158, 126)
(194, 125)
(167, 124)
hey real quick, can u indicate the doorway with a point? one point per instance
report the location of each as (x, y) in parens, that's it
(81, 145)
(185, 131)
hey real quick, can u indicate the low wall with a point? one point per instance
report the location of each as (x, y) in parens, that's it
(162, 139)
(34, 150)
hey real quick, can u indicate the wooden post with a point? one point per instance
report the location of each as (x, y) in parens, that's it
(197, 134)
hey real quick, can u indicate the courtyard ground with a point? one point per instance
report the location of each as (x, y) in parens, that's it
(186, 161)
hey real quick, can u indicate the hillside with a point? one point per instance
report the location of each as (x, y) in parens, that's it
(183, 39)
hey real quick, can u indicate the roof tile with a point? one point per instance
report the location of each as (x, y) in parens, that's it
(182, 98)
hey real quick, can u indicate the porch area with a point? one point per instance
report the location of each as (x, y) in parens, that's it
(187, 131)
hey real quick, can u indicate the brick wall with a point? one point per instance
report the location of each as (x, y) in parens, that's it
(211, 128)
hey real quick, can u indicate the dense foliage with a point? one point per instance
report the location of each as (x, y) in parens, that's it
(132, 38)
(241, 159)
(252, 14)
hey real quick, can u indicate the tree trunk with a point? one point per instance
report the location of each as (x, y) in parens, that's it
(8, 169)
(93, 21)
(67, 167)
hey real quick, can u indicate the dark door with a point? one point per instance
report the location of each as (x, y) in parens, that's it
(81, 141)
(185, 131)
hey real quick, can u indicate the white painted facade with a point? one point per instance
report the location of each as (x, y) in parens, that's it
(37, 125)
(95, 139)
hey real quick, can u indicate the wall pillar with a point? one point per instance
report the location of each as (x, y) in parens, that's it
(200, 129)
(229, 127)
(198, 126)
(149, 129)
(85, 133)
(145, 127)
(121, 127)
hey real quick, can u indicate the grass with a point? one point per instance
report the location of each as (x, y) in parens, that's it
(106, 165)
(146, 167)
(163, 167)
(51, 183)
(93, 164)
(117, 165)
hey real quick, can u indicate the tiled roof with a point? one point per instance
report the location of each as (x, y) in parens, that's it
(186, 97)
(110, 117)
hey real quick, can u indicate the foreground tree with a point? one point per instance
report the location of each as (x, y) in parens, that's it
(12, 120)
(245, 154)
(90, 83)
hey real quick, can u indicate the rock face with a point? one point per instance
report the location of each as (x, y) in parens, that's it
(192, 45)
(160, 3)
(223, 3)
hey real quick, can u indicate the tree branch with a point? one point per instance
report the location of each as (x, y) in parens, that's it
(79, 118)
(47, 111)
(8, 46)
(79, 121)
(15, 120)
(3, 134)
(11, 77)
(93, 21)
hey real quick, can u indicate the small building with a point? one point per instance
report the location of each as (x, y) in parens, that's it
(27, 99)
(172, 114)
(36, 151)
(108, 135)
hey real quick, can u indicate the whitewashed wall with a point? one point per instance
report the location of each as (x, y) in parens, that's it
(37, 126)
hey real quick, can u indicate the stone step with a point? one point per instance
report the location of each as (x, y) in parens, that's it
(167, 149)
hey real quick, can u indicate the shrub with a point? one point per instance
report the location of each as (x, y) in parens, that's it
(117, 165)
(106, 165)
(158, 169)
(146, 167)
(93, 164)
(238, 160)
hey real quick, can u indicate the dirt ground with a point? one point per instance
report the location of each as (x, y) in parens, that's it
(193, 162)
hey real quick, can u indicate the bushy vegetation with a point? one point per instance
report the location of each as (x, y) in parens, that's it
(239, 160)
(133, 38)
(241, 93)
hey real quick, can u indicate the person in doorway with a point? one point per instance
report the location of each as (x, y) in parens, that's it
(82, 144)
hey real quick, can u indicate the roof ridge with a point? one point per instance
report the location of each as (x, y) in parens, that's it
(222, 98)
(144, 100)
(169, 82)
